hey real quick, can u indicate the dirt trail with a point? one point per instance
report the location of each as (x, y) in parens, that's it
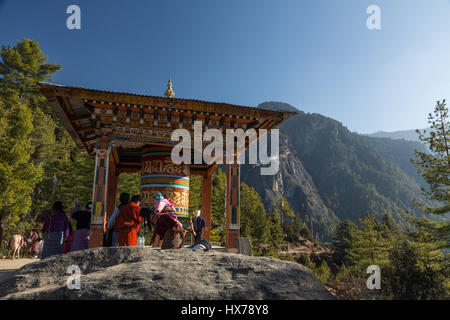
(8, 267)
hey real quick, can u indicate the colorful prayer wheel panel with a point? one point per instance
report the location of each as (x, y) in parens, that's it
(160, 174)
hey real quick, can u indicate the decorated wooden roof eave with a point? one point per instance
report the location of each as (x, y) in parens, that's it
(66, 122)
(58, 98)
(52, 90)
(63, 110)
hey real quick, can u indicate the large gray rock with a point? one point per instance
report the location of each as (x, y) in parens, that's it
(136, 273)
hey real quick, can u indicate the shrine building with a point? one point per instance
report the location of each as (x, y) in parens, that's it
(132, 133)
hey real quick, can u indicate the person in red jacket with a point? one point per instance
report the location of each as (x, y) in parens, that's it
(128, 221)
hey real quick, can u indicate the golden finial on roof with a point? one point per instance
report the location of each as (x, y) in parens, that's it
(169, 92)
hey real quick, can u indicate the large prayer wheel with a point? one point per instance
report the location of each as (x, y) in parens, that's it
(160, 174)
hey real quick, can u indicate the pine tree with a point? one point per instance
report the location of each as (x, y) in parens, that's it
(323, 272)
(254, 220)
(305, 233)
(434, 167)
(218, 206)
(195, 194)
(291, 224)
(18, 175)
(370, 244)
(406, 277)
(68, 176)
(129, 183)
(308, 262)
(430, 249)
(284, 210)
(390, 224)
(27, 126)
(22, 67)
(275, 231)
(343, 241)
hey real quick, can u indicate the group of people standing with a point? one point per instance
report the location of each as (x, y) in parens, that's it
(60, 237)
(123, 226)
(168, 233)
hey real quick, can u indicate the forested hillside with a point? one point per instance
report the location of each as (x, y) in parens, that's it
(350, 174)
(400, 152)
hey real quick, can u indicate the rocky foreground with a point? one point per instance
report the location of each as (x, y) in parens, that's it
(146, 273)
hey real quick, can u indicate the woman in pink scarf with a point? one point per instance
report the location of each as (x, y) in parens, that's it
(160, 203)
(168, 229)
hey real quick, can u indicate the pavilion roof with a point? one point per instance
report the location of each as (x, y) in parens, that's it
(137, 120)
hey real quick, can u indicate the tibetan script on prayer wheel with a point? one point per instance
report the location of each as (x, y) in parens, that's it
(160, 174)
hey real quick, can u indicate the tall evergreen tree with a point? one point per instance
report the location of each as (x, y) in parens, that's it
(284, 210)
(343, 241)
(291, 224)
(275, 231)
(218, 206)
(323, 272)
(18, 175)
(430, 249)
(253, 217)
(434, 167)
(26, 126)
(390, 224)
(22, 67)
(129, 183)
(195, 194)
(67, 174)
(406, 277)
(370, 244)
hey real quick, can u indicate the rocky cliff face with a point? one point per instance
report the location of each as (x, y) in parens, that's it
(292, 182)
(137, 273)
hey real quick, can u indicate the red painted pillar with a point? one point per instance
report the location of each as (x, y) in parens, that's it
(98, 218)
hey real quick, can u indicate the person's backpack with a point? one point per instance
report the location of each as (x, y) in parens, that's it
(206, 243)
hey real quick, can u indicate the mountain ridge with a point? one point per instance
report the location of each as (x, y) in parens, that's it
(408, 135)
(332, 174)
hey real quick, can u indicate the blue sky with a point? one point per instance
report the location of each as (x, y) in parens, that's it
(317, 55)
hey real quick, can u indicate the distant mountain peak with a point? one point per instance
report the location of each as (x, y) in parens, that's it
(409, 135)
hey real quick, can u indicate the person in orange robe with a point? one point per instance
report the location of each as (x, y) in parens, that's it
(128, 221)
